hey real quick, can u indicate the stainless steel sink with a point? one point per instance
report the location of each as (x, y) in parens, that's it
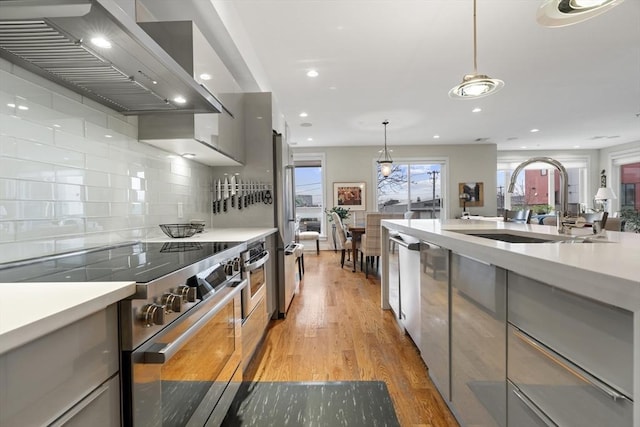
(515, 236)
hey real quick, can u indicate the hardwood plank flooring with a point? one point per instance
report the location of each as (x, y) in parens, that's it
(336, 331)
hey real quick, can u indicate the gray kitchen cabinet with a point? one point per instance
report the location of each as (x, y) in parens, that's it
(101, 405)
(522, 412)
(63, 374)
(434, 314)
(478, 342)
(571, 356)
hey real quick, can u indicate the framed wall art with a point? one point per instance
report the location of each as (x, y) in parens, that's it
(474, 194)
(349, 195)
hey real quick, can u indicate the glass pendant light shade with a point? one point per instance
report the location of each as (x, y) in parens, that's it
(475, 85)
(560, 13)
(385, 160)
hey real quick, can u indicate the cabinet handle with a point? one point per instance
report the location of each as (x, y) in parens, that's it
(529, 404)
(472, 259)
(570, 366)
(79, 407)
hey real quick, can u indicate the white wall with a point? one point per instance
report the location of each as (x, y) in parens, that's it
(64, 185)
(467, 163)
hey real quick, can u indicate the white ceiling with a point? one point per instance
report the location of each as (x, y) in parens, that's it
(397, 60)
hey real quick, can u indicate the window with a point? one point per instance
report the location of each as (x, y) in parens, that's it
(412, 185)
(310, 194)
(538, 187)
(629, 186)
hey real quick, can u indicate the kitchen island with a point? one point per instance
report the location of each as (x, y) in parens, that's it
(497, 306)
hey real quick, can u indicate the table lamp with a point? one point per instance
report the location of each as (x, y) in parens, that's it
(602, 195)
(464, 197)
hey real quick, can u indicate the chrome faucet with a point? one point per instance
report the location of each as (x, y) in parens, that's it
(564, 191)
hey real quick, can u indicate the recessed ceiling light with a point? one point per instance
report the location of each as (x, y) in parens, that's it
(188, 155)
(534, 130)
(576, 146)
(259, 117)
(11, 105)
(179, 100)
(23, 107)
(309, 139)
(101, 42)
(476, 110)
(436, 136)
(306, 125)
(56, 125)
(205, 76)
(312, 73)
(523, 147)
(108, 136)
(303, 114)
(334, 88)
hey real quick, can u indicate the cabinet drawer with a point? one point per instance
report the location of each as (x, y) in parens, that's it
(102, 405)
(562, 391)
(521, 411)
(593, 335)
(253, 330)
(43, 379)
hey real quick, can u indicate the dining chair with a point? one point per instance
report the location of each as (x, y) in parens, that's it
(371, 242)
(614, 224)
(596, 216)
(343, 243)
(523, 216)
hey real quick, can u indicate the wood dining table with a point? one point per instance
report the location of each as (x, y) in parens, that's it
(356, 233)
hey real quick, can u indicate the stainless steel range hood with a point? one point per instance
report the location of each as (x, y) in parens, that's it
(61, 40)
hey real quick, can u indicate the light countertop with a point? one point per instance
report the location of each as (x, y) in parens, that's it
(608, 271)
(51, 306)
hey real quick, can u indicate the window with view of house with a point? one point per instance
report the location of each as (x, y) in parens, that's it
(538, 187)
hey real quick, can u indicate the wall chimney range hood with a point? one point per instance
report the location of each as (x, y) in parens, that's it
(96, 49)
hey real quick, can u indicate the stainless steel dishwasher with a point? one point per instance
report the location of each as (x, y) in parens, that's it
(404, 283)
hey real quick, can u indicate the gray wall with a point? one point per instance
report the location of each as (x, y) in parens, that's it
(466, 163)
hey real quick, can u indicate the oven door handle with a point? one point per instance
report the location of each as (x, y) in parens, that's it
(161, 353)
(257, 264)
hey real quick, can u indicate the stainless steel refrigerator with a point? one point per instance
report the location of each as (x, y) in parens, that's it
(285, 220)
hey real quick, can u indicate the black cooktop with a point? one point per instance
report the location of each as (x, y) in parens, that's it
(139, 262)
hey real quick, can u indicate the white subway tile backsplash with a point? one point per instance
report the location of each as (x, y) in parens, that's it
(18, 86)
(34, 190)
(24, 129)
(24, 169)
(78, 143)
(50, 154)
(69, 186)
(70, 192)
(73, 108)
(34, 209)
(8, 190)
(82, 177)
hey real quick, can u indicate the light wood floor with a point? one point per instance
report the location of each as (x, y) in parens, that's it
(336, 331)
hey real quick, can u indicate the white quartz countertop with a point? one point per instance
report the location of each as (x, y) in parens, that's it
(50, 306)
(607, 271)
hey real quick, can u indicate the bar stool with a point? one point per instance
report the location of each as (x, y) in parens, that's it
(299, 254)
(311, 235)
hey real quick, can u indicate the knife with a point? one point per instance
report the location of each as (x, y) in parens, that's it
(225, 196)
(218, 196)
(233, 191)
(215, 198)
(239, 194)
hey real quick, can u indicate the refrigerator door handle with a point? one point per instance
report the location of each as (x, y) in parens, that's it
(290, 171)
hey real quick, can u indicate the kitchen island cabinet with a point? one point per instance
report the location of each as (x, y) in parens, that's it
(560, 297)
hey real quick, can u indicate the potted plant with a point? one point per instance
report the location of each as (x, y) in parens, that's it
(631, 220)
(342, 213)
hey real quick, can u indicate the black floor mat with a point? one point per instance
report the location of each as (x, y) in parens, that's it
(348, 403)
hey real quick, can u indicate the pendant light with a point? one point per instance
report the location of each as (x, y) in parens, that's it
(384, 160)
(560, 13)
(475, 85)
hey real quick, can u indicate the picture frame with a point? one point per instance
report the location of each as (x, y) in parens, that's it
(474, 192)
(350, 195)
